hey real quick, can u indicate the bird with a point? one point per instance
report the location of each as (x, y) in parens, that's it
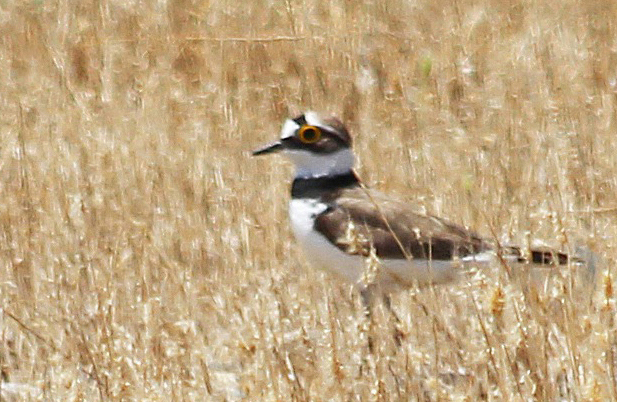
(342, 225)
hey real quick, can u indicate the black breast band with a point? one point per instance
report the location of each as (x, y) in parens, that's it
(314, 186)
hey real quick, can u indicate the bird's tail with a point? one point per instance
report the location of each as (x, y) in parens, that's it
(583, 256)
(537, 255)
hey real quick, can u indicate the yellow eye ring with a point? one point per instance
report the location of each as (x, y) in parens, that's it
(309, 134)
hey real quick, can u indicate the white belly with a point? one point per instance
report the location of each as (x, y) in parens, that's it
(392, 273)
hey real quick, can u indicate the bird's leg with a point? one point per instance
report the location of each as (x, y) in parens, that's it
(397, 333)
(368, 299)
(368, 302)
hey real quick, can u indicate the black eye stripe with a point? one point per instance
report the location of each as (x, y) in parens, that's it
(325, 132)
(319, 147)
(332, 135)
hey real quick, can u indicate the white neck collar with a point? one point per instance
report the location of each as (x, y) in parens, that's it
(309, 164)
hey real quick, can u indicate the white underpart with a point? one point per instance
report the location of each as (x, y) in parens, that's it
(392, 273)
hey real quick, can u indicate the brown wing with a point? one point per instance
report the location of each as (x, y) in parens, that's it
(354, 224)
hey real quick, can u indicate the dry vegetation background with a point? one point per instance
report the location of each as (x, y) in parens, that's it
(145, 256)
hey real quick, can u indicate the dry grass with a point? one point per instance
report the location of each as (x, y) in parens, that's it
(145, 256)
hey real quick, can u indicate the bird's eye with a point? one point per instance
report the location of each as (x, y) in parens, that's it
(309, 134)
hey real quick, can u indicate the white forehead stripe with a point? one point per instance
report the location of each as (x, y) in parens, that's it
(289, 128)
(313, 119)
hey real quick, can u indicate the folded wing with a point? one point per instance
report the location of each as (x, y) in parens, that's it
(361, 219)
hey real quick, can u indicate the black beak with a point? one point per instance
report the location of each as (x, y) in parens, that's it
(268, 149)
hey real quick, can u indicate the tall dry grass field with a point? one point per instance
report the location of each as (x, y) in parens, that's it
(145, 256)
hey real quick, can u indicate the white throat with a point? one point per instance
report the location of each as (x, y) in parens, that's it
(309, 164)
